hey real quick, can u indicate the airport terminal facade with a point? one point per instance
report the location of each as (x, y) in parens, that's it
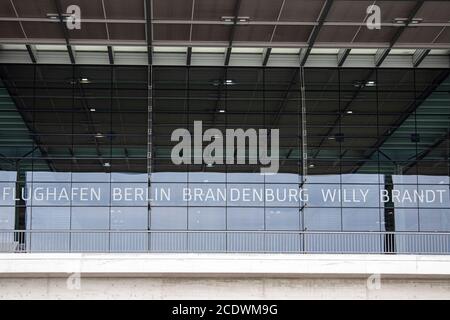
(369, 162)
(361, 147)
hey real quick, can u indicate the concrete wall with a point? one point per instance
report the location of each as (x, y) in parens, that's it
(227, 276)
(214, 288)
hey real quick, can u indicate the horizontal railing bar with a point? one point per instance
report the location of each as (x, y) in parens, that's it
(231, 231)
(225, 241)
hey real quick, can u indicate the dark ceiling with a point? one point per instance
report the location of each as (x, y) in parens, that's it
(347, 124)
(196, 22)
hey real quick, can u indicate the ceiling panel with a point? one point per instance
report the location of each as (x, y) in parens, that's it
(213, 10)
(345, 14)
(125, 9)
(260, 10)
(89, 31)
(172, 9)
(348, 10)
(292, 33)
(10, 30)
(35, 8)
(444, 37)
(419, 35)
(301, 10)
(211, 33)
(126, 31)
(6, 10)
(435, 11)
(253, 33)
(395, 9)
(384, 34)
(171, 32)
(337, 34)
(42, 30)
(90, 9)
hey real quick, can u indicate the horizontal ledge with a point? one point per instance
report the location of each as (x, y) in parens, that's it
(225, 265)
(217, 59)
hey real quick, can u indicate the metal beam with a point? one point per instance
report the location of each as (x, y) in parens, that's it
(149, 30)
(304, 53)
(32, 52)
(189, 56)
(21, 56)
(65, 32)
(227, 56)
(411, 16)
(237, 6)
(260, 44)
(343, 111)
(218, 22)
(419, 55)
(111, 55)
(342, 56)
(33, 134)
(411, 109)
(315, 32)
(383, 53)
(266, 56)
(72, 154)
(427, 151)
(127, 156)
(285, 97)
(90, 121)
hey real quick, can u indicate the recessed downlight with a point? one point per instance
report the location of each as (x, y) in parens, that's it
(225, 82)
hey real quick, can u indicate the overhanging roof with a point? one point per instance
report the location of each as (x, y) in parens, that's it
(205, 32)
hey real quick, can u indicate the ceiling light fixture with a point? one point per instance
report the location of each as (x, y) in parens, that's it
(55, 17)
(243, 20)
(415, 21)
(92, 110)
(227, 19)
(84, 80)
(107, 164)
(362, 84)
(349, 112)
(232, 19)
(406, 22)
(400, 21)
(311, 165)
(225, 82)
(221, 110)
(99, 135)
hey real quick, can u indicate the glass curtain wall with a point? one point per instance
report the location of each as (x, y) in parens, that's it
(73, 157)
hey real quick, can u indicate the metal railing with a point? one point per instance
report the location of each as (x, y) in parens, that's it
(18, 241)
